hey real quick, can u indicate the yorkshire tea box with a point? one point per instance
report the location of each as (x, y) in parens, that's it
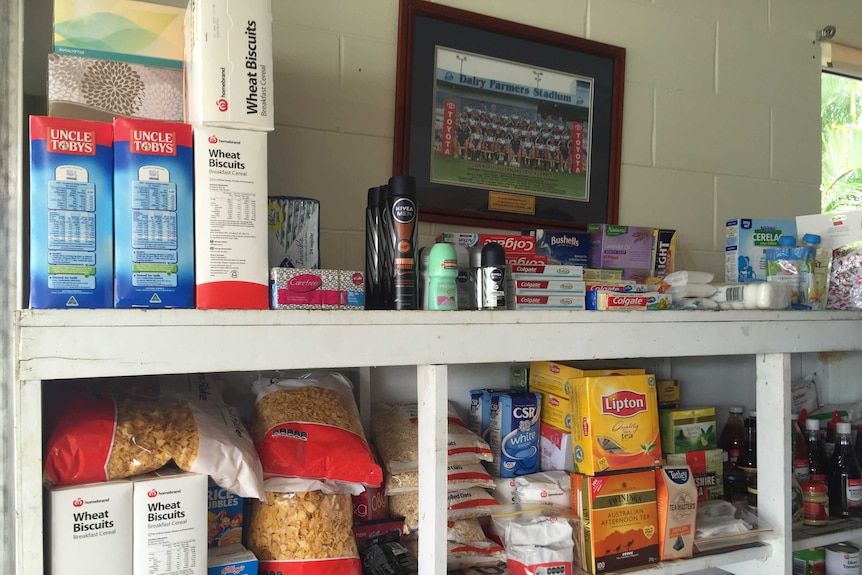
(170, 523)
(745, 244)
(559, 379)
(684, 430)
(615, 424)
(708, 469)
(71, 214)
(92, 520)
(620, 520)
(154, 244)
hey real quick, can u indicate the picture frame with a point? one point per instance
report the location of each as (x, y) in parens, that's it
(454, 64)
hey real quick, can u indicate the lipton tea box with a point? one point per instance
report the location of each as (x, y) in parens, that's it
(619, 518)
(615, 424)
(557, 378)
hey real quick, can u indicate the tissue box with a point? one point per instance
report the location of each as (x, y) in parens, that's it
(100, 90)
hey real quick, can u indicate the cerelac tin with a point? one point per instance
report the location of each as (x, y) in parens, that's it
(615, 424)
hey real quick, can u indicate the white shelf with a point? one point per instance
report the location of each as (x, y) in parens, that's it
(721, 560)
(60, 344)
(836, 530)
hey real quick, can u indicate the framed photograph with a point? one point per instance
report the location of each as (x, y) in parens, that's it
(505, 125)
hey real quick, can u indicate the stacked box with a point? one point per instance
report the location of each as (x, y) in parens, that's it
(562, 247)
(562, 379)
(627, 248)
(555, 449)
(316, 289)
(745, 245)
(231, 560)
(667, 391)
(547, 288)
(594, 287)
(664, 250)
(154, 244)
(71, 214)
(514, 433)
(708, 469)
(224, 517)
(619, 520)
(690, 429)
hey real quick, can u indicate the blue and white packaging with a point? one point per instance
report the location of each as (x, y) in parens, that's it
(71, 214)
(561, 247)
(745, 245)
(479, 420)
(231, 560)
(294, 232)
(154, 244)
(514, 433)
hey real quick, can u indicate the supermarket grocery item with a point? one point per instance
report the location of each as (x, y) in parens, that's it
(514, 433)
(169, 511)
(733, 434)
(685, 277)
(294, 232)
(89, 520)
(233, 559)
(794, 266)
(815, 503)
(842, 558)
(459, 476)
(459, 556)
(562, 247)
(308, 427)
(555, 449)
(492, 274)
(845, 278)
(687, 429)
(373, 255)
(755, 295)
(664, 252)
(845, 477)
(228, 65)
(465, 531)
(396, 435)
(746, 240)
(224, 517)
(307, 530)
(537, 540)
(676, 503)
(294, 288)
(372, 503)
(809, 561)
(667, 393)
(707, 467)
(400, 227)
(461, 504)
(387, 553)
(551, 488)
(154, 245)
(628, 248)
(747, 460)
(71, 214)
(442, 273)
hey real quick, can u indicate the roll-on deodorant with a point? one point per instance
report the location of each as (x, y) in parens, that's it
(492, 277)
(442, 288)
(400, 242)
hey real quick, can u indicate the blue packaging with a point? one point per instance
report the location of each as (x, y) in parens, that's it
(563, 248)
(231, 560)
(224, 516)
(745, 244)
(71, 214)
(514, 433)
(479, 420)
(153, 215)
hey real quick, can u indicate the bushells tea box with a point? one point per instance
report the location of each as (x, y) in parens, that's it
(230, 219)
(90, 522)
(228, 54)
(154, 244)
(170, 523)
(71, 214)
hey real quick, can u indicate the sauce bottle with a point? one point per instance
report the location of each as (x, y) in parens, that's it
(747, 460)
(845, 477)
(733, 435)
(800, 451)
(818, 470)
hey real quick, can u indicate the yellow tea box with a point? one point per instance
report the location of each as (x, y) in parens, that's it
(619, 519)
(556, 410)
(684, 430)
(676, 503)
(615, 424)
(667, 391)
(559, 379)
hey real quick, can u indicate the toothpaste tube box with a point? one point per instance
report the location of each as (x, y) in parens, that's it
(231, 560)
(512, 244)
(547, 271)
(624, 286)
(555, 449)
(316, 289)
(562, 247)
(574, 301)
(228, 64)
(518, 259)
(224, 517)
(614, 301)
(90, 520)
(745, 244)
(71, 214)
(230, 219)
(294, 232)
(628, 248)
(522, 284)
(154, 241)
(514, 433)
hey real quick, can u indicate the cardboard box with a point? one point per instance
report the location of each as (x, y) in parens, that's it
(522, 284)
(170, 523)
(664, 250)
(689, 429)
(230, 219)
(224, 517)
(676, 503)
(708, 469)
(572, 273)
(123, 30)
(92, 520)
(556, 410)
(479, 418)
(514, 433)
(316, 289)
(228, 64)
(154, 244)
(555, 449)
(619, 520)
(598, 274)
(746, 240)
(667, 391)
(615, 424)
(71, 214)
(512, 243)
(231, 560)
(628, 248)
(560, 379)
(100, 90)
(519, 378)
(562, 247)
(835, 229)
(294, 232)
(545, 301)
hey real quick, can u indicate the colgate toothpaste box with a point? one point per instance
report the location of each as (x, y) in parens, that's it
(154, 244)
(541, 285)
(614, 301)
(515, 244)
(524, 269)
(91, 520)
(622, 286)
(628, 248)
(574, 302)
(516, 259)
(71, 214)
(562, 247)
(231, 560)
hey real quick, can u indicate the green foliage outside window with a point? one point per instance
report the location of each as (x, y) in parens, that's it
(841, 113)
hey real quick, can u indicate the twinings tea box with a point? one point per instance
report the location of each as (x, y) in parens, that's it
(169, 508)
(676, 503)
(684, 430)
(71, 214)
(619, 519)
(615, 424)
(708, 470)
(92, 520)
(558, 378)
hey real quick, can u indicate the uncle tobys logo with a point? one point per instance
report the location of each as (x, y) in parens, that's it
(67, 141)
(153, 142)
(624, 403)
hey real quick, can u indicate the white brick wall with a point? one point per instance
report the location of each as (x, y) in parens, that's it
(721, 113)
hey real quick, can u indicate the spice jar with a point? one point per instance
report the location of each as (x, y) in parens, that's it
(815, 508)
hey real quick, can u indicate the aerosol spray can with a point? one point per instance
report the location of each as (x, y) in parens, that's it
(492, 277)
(400, 242)
(373, 259)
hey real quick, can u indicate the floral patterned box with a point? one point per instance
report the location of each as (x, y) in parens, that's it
(100, 90)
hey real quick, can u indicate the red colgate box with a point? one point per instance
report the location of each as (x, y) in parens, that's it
(292, 288)
(573, 301)
(513, 244)
(532, 270)
(530, 260)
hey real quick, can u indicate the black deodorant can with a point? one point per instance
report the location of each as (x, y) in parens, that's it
(401, 229)
(373, 259)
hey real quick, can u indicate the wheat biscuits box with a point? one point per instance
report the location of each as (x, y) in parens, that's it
(620, 520)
